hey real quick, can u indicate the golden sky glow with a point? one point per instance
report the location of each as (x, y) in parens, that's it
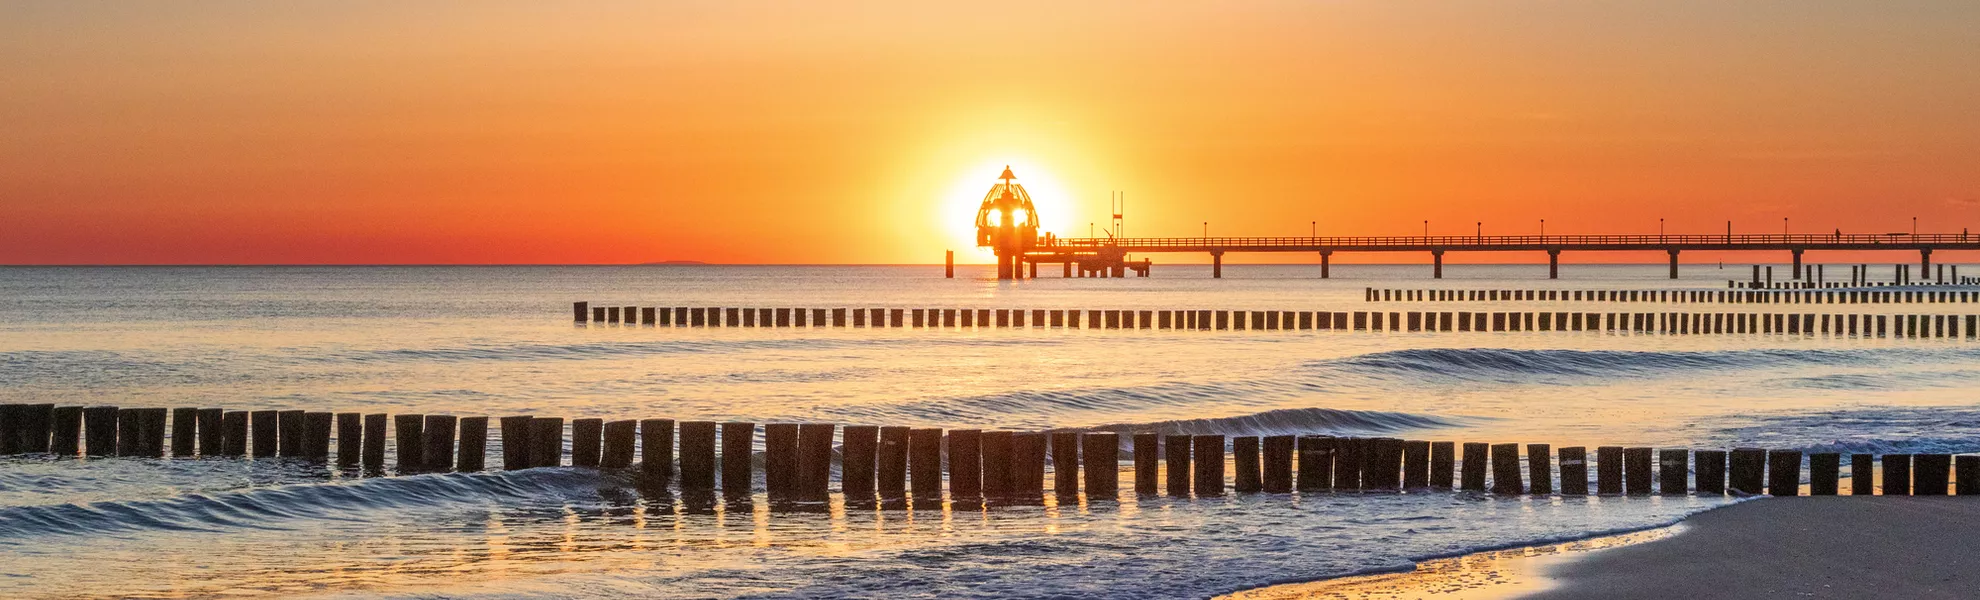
(615, 132)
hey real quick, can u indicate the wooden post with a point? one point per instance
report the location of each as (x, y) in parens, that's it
(263, 427)
(546, 441)
(1636, 471)
(474, 445)
(1244, 456)
(316, 435)
(1386, 466)
(1930, 474)
(587, 437)
(1824, 473)
(617, 451)
(100, 430)
(66, 440)
(1672, 469)
(436, 451)
(1416, 465)
(289, 424)
(861, 449)
(515, 442)
(1101, 453)
(738, 457)
(925, 464)
(1474, 466)
(350, 439)
(1347, 463)
(1443, 461)
(1316, 463)
(697, 456)
(1278, 463)
(1609, 470)
(1065, 463)
(1897, 474)
(1711, 466)
(996, 451)
(1147, 466)
(1967, 472)
(814, 461)
(153, 433)
(233, 433)
(374, 442)
(1862, 469)
(1574, 471)
(1539, 468)
(1028, 467)
(1748, 470)
(1175, 452)
(185, 432)
(1505, 469)
(581, 311)
(965, 447)
(892, 467)
(408, 429)
(1208, 460)
(1784, 472)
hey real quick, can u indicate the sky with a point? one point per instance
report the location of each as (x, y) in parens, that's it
(488, 132)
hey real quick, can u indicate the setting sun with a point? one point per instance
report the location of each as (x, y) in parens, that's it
(1051, 198)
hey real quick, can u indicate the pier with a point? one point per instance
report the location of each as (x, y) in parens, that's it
(1007, 223)
(891, 466)
(1112, 251)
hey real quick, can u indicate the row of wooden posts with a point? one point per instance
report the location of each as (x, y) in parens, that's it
(963, 463)
(1862, 325)
(1814, 276)
(1678, 296)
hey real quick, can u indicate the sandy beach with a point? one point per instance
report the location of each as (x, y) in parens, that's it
(1807, 547)
(1804, 547)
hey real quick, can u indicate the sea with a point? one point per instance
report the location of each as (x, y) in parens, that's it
(499, 340)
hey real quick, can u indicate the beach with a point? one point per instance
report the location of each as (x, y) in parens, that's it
(1804, 547)
(1799, 547)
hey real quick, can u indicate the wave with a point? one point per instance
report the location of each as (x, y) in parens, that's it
(272, 507)
(1522, 366)
(1293, 421)
(1868, 430)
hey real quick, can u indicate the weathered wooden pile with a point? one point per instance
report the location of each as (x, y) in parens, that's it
(881, 463)
(1859, 325)
(1783, 296)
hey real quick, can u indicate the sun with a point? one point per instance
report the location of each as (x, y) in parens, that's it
(1049, 196)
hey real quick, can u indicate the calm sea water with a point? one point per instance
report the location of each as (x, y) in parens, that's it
(498, 340)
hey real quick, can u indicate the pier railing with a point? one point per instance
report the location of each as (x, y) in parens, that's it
(892, 465)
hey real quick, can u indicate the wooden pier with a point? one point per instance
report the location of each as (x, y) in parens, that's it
(1108, 255)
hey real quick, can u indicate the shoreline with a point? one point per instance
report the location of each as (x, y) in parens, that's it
(1823, 547)
(1478, 575)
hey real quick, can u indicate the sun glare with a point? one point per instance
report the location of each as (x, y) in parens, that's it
(1052, 199)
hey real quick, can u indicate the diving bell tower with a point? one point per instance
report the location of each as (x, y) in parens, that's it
(1007, 224)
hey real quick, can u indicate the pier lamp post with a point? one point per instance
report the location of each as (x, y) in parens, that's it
(1206, 231)
(1313, 230)
(1543, 229)
(1660, 229)
(1914, 227)
(1481, 232)
(1784, 227)
(1426, 230)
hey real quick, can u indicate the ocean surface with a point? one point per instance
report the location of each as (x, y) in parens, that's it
(499, 340)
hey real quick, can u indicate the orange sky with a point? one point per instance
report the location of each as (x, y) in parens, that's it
(614, 132)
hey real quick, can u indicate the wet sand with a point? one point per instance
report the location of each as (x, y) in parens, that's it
(1478, 576)
(1827, 547)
